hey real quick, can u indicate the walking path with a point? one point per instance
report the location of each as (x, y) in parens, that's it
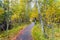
(26, 33)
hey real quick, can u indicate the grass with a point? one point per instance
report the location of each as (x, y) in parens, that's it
(7, 35)
(38, 35)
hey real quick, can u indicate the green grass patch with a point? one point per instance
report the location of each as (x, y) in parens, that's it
(38, 35)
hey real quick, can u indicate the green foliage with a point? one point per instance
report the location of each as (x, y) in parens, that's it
(37, 33)
(20, 11)
(1, 15)
(12, 33)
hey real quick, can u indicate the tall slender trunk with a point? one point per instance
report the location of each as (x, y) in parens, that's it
(6, 11)
(28, 9)
(39, 13)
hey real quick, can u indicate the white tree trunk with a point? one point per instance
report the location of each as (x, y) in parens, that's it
(39, 12)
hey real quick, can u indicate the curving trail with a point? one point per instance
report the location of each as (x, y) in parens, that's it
(26, 33)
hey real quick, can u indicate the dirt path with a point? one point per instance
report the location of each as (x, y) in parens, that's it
(26, 33)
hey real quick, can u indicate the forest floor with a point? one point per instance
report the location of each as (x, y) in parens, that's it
(38, 35)
(10, 34)
(30, 31)
(25, 34)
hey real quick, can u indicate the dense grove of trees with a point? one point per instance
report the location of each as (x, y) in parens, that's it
(12, 12)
